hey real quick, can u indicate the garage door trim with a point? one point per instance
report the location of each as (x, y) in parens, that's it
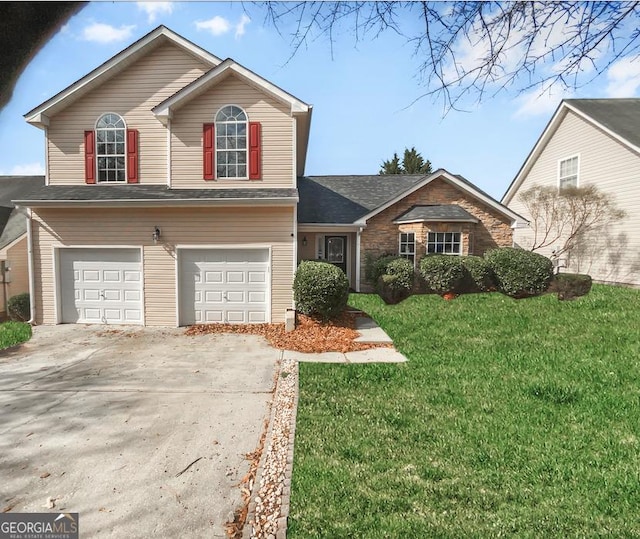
(207, 247)
(57, 289)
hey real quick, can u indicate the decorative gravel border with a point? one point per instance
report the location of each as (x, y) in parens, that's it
(269, 507)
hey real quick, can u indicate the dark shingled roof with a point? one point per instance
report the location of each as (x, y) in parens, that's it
(150, 193)
(436, 212)
(344, 199)
(13, 223)
(622, 116)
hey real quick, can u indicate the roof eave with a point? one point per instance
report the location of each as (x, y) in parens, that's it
(110, 65)
(434, 220)
(117, 203)
(219, 73)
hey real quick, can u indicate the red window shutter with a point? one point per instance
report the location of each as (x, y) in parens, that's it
(208, 149)
(255, 158)
(90, 156)
(132, 156)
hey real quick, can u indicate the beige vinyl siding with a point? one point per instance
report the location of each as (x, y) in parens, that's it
(269, 227)
(277, 136)
(16, 254)
(132, 94)
(614, 169)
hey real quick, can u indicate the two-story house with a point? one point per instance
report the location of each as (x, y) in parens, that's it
(172, 192)
(590, 142)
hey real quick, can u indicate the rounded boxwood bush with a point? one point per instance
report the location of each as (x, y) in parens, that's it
(479, 274)
(570, 285)
(520, 273)
(396, 283)
(442, 273)
(19, 307)
(320, 288)
(376, 267)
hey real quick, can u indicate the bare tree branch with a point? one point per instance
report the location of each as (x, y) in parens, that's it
(477, 49)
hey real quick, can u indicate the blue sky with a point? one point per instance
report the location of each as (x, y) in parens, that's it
(364, 94)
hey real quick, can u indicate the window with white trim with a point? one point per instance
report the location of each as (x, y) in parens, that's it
(231, 143)
(568, 172)
(444, 243)
(407, 246)
(110, 148)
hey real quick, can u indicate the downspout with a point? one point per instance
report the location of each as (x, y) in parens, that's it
(358, 259)
(32, 285)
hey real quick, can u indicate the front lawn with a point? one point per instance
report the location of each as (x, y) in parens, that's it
(511, 418)
(12, 333)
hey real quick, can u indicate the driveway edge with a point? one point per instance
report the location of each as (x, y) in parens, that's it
(270, 503)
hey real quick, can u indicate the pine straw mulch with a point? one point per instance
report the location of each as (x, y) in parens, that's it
(310, 336)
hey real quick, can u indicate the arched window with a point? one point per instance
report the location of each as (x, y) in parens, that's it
(231, 142)
(111, 153)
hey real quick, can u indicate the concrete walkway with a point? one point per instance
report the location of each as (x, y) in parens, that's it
(370, 333)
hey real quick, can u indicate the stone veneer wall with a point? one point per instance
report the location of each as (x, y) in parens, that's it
(381, 234)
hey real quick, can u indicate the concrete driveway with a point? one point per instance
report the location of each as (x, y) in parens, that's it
(103, 420)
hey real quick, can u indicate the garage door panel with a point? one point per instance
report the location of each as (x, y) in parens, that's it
(100, 285)
(90, 276)
(213, 277)
(220, 289)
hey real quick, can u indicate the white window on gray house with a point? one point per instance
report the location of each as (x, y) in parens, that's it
(568, 173)
(407, 247)
(444, 243)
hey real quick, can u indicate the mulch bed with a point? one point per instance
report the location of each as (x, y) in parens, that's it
(311, 335)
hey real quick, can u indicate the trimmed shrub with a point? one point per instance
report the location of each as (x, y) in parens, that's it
(519, 273)
(19, 307)
(442, 273)
(396, 283)
(479, 274)
(320, 288)
(374, 268)
(570, 285)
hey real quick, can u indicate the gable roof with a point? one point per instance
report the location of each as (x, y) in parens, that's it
(39, 116)
(13, 223)
(443, 213)
(344, 199)
(619, 118)
(300, 110)
(356, 199)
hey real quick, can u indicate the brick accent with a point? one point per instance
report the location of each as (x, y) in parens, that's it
(381, 234)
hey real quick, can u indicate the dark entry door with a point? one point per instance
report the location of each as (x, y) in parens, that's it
(335, 248)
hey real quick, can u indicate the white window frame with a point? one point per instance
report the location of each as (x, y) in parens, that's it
(444, 243)
(218, 149)
(107, 155)
(566, 177)
(408, 254)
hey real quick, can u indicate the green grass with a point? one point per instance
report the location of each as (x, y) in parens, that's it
(12, 333)
(511, 418)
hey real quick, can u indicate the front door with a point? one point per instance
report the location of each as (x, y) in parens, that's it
(335, 248)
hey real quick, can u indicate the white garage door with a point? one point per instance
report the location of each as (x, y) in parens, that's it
(101, 286)
(224, 285)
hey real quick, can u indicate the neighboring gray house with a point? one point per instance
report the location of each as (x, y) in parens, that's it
(14, 271)
(591, 141)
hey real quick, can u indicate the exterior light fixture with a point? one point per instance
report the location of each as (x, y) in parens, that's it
(156, 234)
(304, 241)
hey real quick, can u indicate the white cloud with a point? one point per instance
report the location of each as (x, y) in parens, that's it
(624, 78)
(28, 169)
(244, 20)
(541, 101)
(153, 9)
(105, 33)
(217, 26)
